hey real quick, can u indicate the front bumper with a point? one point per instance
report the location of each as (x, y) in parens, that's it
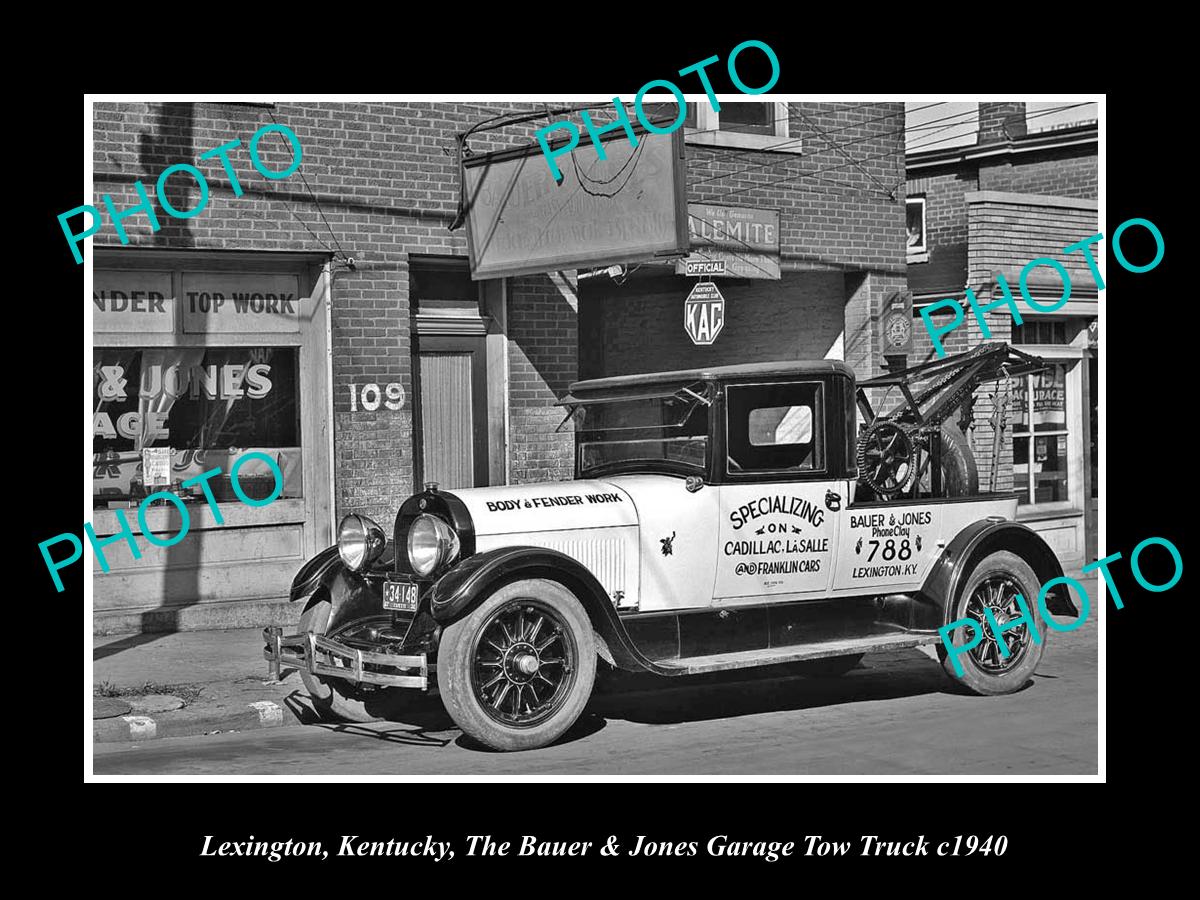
(324, 656)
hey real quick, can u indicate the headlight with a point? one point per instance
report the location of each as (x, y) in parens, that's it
(431, 544)
(360, 541)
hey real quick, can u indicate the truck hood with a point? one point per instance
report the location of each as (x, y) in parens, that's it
(553, 506)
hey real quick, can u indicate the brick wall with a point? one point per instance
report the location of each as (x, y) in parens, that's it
(1065, 172)
(1008, 231)
(834, 213)
(1062, 172)
(945, 229)
(841, 210)
(970, 240)
(542, 313)
(1005, 234)
(799, 317)
(1001, 121)
(387, 182)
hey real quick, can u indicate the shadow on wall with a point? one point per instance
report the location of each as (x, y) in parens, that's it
(641, 325)
(171, 141)
(543, 323)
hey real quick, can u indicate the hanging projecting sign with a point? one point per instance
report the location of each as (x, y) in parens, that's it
(745, 238)
(704, 313)
(625, 207)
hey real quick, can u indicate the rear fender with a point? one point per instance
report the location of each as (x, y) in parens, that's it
(949, 575)
(473, 580)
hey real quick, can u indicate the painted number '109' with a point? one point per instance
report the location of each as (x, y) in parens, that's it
(371, 396)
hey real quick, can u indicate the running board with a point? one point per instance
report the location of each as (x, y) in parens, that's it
(719, 662)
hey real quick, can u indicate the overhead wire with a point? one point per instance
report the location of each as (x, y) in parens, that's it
(846, 127)
(1028, 117)
(754, 167)
(835, 145)
(801, 175)
(968, 116)
(335, 253)
(800, 138)
(634, 157)
(974, 113)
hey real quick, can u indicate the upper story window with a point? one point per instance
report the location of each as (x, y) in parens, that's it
(1040, 331)
(752, 126)
(917, 244)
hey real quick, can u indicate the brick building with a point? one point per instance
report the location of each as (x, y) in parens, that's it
(366, 367)
(244, 327)
(831, 176)
(986, 209)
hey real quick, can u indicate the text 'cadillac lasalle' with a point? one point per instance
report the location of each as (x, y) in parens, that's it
(719, 519)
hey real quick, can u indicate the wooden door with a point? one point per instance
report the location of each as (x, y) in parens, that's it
(451, 439)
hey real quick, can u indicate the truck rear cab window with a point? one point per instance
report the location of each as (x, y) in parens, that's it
(775, 428)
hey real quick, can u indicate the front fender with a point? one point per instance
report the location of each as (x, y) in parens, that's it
(351, 596)
(950, 573)
(474, 579)
(313, 573)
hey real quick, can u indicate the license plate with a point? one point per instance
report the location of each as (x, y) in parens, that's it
(400, 596)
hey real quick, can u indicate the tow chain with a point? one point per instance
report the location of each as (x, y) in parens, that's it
(999, 422)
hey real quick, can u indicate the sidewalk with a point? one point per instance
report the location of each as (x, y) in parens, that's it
(192, 682)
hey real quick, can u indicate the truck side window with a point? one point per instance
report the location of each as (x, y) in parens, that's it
(775, 428)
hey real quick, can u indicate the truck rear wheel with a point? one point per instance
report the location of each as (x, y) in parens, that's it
(994, 584)
(516, 672)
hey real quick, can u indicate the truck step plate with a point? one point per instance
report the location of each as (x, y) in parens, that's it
(717, 662)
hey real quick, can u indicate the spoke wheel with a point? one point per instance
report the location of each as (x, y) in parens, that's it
(525, 662)
(998, 594)
(993, 585)
(517, 670)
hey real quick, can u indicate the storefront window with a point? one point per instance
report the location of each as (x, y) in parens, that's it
(207, 407)
(1040, 436)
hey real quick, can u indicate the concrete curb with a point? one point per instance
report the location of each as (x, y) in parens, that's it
(182, 723)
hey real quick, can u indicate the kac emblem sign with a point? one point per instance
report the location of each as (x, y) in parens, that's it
(704, 313)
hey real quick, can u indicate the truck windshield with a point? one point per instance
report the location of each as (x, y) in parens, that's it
(666, 433)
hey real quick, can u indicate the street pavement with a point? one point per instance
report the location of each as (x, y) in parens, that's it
(897, 714)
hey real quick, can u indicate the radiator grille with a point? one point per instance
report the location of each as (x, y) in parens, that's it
(603, 557)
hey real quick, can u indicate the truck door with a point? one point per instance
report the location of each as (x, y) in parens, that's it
(777, 512)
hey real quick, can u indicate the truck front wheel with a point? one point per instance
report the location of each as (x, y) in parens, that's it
(995, 584)
(335, 699)
(516, 672)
